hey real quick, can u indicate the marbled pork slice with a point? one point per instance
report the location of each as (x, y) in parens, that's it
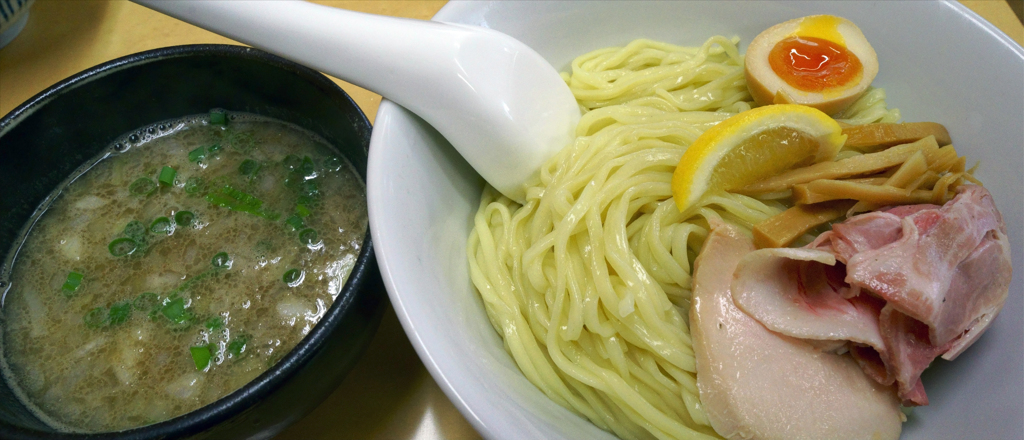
(950, 268)
(801, 293)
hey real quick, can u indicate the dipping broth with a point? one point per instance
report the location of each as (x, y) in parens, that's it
(188, 259)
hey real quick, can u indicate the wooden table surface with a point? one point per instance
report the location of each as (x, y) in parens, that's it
(389, 394)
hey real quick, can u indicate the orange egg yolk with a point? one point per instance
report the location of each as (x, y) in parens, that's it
(814, 64)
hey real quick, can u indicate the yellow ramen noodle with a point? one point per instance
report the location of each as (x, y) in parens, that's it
(588, 283)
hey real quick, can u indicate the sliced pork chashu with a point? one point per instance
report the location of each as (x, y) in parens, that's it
(755, 384)
(910, 283)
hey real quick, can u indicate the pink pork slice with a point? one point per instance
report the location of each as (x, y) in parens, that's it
(801, 293)
(941, 275)
(950, 269)
(756, 384)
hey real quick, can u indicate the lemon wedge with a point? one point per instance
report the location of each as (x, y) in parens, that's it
(753, 145)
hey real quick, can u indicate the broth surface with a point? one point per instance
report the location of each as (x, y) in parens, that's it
(200, 306)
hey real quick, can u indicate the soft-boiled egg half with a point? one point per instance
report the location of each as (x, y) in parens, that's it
(822, 61)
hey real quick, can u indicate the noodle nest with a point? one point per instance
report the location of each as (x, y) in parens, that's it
(588, 283)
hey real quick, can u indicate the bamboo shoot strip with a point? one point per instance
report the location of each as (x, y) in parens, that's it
(927, 180)
(869, 180)
(780, 230)
(854, 166)
(824, 190)
(875, 137)
(942, 160)
(908, 173)
(946, 186)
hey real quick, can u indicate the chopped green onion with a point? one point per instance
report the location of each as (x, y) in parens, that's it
(214, 323)
(120, 312)
(201, 356)
(193, 185)
(307, 168)
(309, 194)
(243, 141)
(241, 199)
(161, 225)
(197, 155)
(218, 117)
(302, 210)
(175, 310)
(184, 218)
(96, 318)
(308, 236)
(295, 222)
(221, 261)
(291, 161)
(142, 186)
(146, 302)
(333, 163)
(248, 167)
(235, 200)
(122, 246)
(167, 176)
(293, 277)
(263, 246)
(213, 148)
(237, 345)
(71, 284)
(135, 230)
(309, 188)
(311, 201)
(194, 280)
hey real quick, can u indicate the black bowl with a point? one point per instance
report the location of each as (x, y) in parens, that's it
(44, 140)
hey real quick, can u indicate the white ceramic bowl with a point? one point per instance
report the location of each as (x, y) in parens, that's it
(939, 62)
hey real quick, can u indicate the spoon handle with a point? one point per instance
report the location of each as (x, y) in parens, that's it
(388, 55)
(496, 100)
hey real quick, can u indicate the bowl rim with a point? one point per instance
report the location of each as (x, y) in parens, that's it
(311, 344)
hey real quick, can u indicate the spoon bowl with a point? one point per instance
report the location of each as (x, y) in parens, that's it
(497, 101)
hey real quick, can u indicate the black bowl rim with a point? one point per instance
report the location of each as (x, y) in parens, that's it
(269, 381)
